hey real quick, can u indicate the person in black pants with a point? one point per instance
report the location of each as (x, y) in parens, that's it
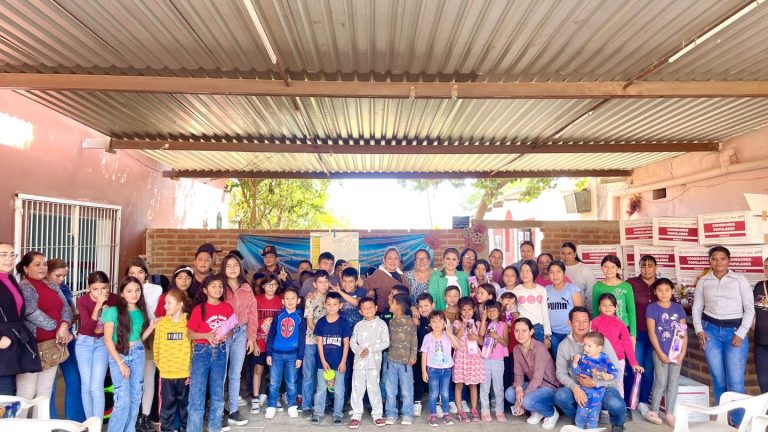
(761, 330)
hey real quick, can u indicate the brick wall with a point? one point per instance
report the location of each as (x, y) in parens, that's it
(556, 232)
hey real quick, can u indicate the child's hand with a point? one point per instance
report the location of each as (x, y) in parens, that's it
(326, 366)
(364, 353)
(125, 371)
(663, 357)
(342, 367)
(252, 348)
(298, 363)
(415, 311)
(153, 323)
(211, 337)
(269, 360)
(424, 377)
(638, 368)
(483, 314)
(473, 337)
(411, 362)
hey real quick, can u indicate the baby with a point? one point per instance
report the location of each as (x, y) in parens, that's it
(596, 364)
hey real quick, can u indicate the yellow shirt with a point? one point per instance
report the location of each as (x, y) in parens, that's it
(172, 349)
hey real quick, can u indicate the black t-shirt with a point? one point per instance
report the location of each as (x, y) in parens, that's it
(761, 314)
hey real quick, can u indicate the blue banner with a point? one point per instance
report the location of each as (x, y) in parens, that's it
(291, 250)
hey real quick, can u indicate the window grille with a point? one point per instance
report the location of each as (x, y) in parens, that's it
(85, 235)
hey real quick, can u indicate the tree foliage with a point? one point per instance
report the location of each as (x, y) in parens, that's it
(279, 204)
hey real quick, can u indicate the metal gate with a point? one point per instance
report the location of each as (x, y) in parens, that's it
(85, 235)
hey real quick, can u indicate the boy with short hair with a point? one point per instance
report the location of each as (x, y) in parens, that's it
(369, 338)
(332, 333)
(425, 304)
(403, 349)
(314, 310)
(285, 351)
(351, 295)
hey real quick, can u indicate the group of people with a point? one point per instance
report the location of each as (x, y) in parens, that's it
(540, 336)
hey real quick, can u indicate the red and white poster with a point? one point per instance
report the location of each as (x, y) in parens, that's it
(636, 232)
(748, 260)
(730, 228)
(665, 260)
(592, 255)
(690, 263)
(675, 231)
(628, 260)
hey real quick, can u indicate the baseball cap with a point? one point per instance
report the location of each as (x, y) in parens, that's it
(269, 249)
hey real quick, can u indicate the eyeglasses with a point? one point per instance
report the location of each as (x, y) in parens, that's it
(6, 255)
(272, 285)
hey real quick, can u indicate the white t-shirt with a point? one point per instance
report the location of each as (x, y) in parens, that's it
(532, 304)
(151, 293)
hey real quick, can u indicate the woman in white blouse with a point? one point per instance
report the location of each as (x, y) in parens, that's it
(723, 310)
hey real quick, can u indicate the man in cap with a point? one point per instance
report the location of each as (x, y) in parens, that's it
(269, 255)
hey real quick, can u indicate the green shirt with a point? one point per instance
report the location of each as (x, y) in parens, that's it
(137, 320)
(625, 303)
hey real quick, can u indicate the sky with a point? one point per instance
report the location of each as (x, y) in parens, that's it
(385, 204)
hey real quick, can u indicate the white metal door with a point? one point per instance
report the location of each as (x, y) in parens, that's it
(86, 235)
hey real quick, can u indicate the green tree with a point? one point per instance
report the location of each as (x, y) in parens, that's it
(280, 204)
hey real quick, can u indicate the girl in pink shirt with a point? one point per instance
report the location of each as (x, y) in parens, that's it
(616, 332)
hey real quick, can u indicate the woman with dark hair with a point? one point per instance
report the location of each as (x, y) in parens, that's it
(239, 294)
(449, 275)
(723, 310)
(536, 381)
(532, 302)
(181, 279)
(126, 330)
(380, 283)
(621, 290)
(467, 260)
(642, 288)
(18, 349)
(562, 296)
(481, 270)
(578, 272)
(49, 317)
(150, 293)
(73, 405)
(418, 277)
(91, 351)
(496, 260)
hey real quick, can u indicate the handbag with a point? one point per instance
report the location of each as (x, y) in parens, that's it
(52, 354)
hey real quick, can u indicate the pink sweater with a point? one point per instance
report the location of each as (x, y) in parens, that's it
(617, 334)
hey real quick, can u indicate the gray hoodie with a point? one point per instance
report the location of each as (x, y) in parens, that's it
(374, 335)
(569, 348)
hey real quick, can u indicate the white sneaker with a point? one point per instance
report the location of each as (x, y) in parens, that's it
(263, 399)
(465, 406)
(417, 408)
(293, 411)
(270, 414)
(241, 402)
(255, 406)
(535, 418)
(643, 408)
(452, 408)
(551, 422)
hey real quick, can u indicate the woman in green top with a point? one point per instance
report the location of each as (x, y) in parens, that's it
(441, 279)
(126, 326)
(622, 290)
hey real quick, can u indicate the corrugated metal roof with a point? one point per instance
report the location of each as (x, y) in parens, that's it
(285, 162)
(566, 40)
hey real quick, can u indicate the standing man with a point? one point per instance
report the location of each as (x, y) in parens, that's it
(269, 255)
(205, 258)
(571, 393)
(324, 262)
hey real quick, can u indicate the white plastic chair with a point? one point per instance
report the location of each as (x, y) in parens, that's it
(753, 406)
(759, 423)
(42, 405)
(93, 424)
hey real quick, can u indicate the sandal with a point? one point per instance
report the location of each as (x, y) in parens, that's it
(653, 418)
(463, 417)
(475, 415)
(500, 417)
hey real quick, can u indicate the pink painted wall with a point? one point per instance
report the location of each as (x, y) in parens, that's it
(53, 164)
(718, 193)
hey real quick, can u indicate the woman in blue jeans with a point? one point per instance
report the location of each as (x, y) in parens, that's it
(535, 381)
(723, 310)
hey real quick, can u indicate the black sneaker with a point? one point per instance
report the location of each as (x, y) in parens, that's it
(142, 423)
(236, 419)
(315, 420)
(616, 428)
(628, 417)
(224, 423)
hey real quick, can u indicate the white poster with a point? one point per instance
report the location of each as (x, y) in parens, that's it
(592, 255)
(636, 232)
(343, 245)
(665, 260)
(675, 231)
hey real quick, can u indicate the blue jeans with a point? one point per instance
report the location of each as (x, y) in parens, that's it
(209, 365)
(92, 362)
(73, 404)
(612, 402)
(556, 339)
(644, 354)
(541, 400)
(308, 372)
(283, 365)
(237, 346)
(338, 394)
(726, 363)
(127, 392)
(439, 383)
(401, 374)
(538, 332)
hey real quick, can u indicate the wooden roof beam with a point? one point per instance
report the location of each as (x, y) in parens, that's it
(423, 147)
(354, 89)
(394, 175)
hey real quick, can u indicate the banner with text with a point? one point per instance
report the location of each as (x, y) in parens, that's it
(290, 250)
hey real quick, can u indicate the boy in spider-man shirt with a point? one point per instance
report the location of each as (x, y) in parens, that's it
(285, 349)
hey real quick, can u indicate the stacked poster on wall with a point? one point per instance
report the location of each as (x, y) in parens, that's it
(592, 255)
(636, 231)
(665, 260)
(732, 228)
(675, 231)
